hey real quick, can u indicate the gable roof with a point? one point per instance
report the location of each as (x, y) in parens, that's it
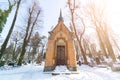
(60, 24)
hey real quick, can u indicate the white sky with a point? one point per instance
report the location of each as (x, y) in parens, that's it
(114, 14)
(51, 10)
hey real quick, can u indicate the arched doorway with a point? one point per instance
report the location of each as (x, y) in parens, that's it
(61, 52)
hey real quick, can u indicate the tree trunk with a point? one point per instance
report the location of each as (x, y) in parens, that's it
(25, 41)
(22, 53)
(14, 54)
(27, 35)
(102, 45)
(3, 47)
(74, 27)
(109, 47)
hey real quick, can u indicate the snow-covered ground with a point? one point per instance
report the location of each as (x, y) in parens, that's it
(35, 72)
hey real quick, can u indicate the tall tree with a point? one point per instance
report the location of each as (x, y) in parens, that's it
(3, 47)
(32, 20)
(72, 7)
(97, 16)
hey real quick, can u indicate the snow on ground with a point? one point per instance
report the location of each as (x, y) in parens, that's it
(35, 72)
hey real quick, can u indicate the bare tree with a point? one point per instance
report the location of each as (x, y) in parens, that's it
(98, 19)
(16, 38)
(32, 20)
(72, 7)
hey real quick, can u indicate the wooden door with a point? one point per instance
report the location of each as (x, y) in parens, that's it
(60, 55)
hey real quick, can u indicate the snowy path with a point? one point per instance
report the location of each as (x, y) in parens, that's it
(31, 72)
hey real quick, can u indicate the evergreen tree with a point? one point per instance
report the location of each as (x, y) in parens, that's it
(4, 14)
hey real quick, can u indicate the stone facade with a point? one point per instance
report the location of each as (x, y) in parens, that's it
(60, 43)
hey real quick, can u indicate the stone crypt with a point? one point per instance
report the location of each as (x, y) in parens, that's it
(60, 48)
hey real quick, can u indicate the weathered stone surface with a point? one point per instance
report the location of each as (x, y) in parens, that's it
(60, 36)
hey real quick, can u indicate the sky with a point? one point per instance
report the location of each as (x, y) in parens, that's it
(50, 14)
(113, 11)
(51, 11)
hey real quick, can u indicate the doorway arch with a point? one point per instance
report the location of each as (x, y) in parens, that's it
(60, 52)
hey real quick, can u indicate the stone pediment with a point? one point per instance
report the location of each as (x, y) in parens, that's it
(61, 29)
